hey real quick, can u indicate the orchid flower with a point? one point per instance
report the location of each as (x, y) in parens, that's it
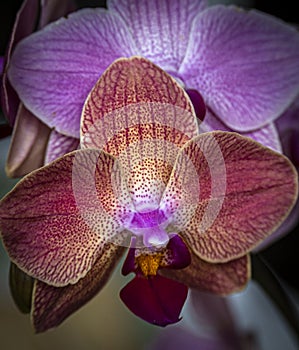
(190, 206)
(240, 66)
(32, 139)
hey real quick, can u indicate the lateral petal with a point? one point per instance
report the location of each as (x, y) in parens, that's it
(241, 193)
(55, 222)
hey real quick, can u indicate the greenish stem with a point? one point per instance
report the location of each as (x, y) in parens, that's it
(269, 281)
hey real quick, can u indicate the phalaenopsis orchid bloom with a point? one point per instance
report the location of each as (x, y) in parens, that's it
(189, 206)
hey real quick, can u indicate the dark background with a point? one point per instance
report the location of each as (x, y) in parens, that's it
(282, 256)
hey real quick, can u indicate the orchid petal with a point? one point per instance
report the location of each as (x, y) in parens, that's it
(154, 25)
(52, 305)
(244, 63)
(28, 144)
(54, 69)
(241, 192)
(288, 127)
(157, 300)
(23, 26)
(58, 145)
(55, 222)
(139, 114)
(287, 226)
(219, 278)
(266, 135)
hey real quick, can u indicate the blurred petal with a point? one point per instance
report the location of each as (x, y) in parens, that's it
(288, 128)
(58, 145)
(21, 287)
(139, 114)
(220, 279)
(52, 305)
(213, 311)
(241, 192)
(266, 135)
(52, 10)
(54, 69)
(55, 222)
(182, 338)
(244, 63)
(28, 144)
(1, 64)
(24, 25)
(161, 28)
(157, 300)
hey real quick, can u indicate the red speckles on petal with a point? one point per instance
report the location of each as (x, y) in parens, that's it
(139, 114)
(48, 229)
(234, 206)
(51, 305)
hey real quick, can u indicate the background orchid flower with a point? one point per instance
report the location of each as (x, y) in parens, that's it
(193, 204)
(209, 325)
(32, 142)
(243, 65)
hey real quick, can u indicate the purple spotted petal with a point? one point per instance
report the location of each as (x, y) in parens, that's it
(55, 222)
(156, 299)
(52, 305)
(139, 114)
(266, 135)
(58, 145)
(160, 27)
(54, 69)
(241, 192)
(244, 63)
(28, 144)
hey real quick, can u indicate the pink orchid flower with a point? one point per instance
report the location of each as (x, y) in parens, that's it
(242, 66)
(191, 206)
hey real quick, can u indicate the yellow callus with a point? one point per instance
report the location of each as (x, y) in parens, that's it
(149, 263)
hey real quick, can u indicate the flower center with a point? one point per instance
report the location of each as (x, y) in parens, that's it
(151, 225)
(149, 263)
